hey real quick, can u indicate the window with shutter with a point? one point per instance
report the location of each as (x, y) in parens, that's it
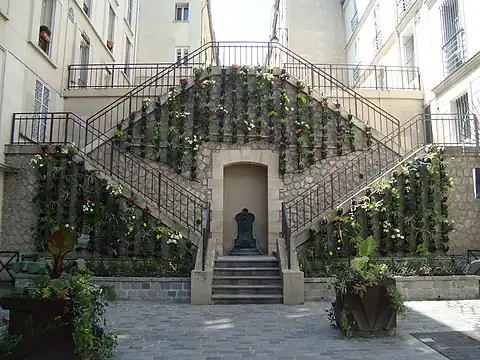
(40, 106)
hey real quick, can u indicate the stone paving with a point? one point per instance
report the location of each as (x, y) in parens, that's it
(152, 331)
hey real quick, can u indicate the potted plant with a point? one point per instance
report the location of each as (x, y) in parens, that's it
(367, 300)
(57, 316)
(110, 45)
(45, 33)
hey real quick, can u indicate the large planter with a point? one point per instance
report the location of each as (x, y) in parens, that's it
(46, 328)
(369, 314)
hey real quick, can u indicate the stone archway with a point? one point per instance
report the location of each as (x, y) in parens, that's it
(265, 158)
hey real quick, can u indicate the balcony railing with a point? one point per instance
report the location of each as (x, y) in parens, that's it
(375, 77)
(354, 21)
(119, 76)
(454, 52)
(377, 41)
(402, 7)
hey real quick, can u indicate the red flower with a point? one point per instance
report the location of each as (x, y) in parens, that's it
(183, 81)
(196, 84)
(338, 223)
(235, 66)
(130, 199)
(298, 131)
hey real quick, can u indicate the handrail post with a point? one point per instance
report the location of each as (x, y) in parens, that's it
(14, 120)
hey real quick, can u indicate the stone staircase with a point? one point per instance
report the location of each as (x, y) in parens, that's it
(247, 280)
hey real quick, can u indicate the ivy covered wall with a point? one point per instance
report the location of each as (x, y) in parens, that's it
(407, 214)
(53, 189)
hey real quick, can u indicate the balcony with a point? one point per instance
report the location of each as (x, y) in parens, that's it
(402, 7)
(375, 77)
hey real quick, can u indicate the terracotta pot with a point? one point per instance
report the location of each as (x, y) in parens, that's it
(372, 312)
(44, 36)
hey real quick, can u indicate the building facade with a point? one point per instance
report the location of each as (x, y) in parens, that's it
(393, 44)
(185, 26)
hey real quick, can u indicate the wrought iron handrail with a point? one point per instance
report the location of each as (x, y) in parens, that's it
(127, 168)
(206, 232)
(12, 255)
(245, 53)
(473, 255)
(341, 184)
(286, 233)
(116, 75)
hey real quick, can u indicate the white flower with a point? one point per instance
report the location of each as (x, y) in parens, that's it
(115, 190)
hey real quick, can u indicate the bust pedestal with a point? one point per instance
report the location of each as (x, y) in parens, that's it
(245, 243)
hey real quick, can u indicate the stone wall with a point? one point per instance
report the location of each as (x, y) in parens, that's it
(414, 288)
(463, 208)
(165, 290)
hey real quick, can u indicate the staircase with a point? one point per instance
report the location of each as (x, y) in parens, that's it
(247, 280)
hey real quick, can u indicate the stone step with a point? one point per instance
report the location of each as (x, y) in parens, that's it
(248, 289)
(246, 261)
(246, 271)
(227, 299)
(247, 280)
(245, 252)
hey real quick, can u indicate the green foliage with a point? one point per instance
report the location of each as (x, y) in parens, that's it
(407, 213)
(9, 342)
(397, 301)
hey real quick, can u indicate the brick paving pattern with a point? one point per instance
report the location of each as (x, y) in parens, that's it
(153, 331)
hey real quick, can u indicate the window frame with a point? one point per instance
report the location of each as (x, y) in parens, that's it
(47, 46)
(182, 7)
(127, 56)
(87, 4)
(184, 52)
(41, 105)
(112, 19)
(130, 11)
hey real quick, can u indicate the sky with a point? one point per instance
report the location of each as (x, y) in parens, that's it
(242, 20)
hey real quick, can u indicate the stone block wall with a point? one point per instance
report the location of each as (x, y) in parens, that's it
(165, 290)
(414, 288)
(463, 208)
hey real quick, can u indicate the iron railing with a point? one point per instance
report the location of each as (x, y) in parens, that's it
(127, 168)
(206, 234)
(375, 77)
(120, 76)
(343, 183)
(354, 21)
(239, 53)
(473, 255)
(6, 258)
(287, 234)
(454, 52)
(402, 7)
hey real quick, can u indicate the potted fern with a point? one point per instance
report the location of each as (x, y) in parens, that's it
(367, 300)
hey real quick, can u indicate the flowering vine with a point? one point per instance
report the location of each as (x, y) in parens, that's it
(144, 127)
(368, 135)
(324, 116)
(207, 85)
(196, 122)
(171, 131)
(350, 132)
(244, 75)
(271, 113)
(283, 112)
(340, 130)
(234, 112)
(258, 92)
(311, 132)
(221, 109)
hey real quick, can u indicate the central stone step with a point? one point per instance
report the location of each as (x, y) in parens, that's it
(253, 279)
(245, 252)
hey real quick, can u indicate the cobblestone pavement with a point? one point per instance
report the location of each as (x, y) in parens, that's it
(152, 331)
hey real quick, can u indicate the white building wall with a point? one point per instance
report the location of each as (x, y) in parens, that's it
(23, 62)
(316, 30)
(160, 34)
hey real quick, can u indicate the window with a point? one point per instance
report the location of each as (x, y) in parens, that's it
(181, 12)
(87, 7)
(40, 106)
(476, 183)
(128, 52)
(130, 12)
(409, 48)
(377, 40)
(111, 29)
(84, 60)
(454, 49)
(46, 26)
(463, 121)
(181, 54)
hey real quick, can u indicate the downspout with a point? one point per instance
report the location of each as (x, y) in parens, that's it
(137, 17)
